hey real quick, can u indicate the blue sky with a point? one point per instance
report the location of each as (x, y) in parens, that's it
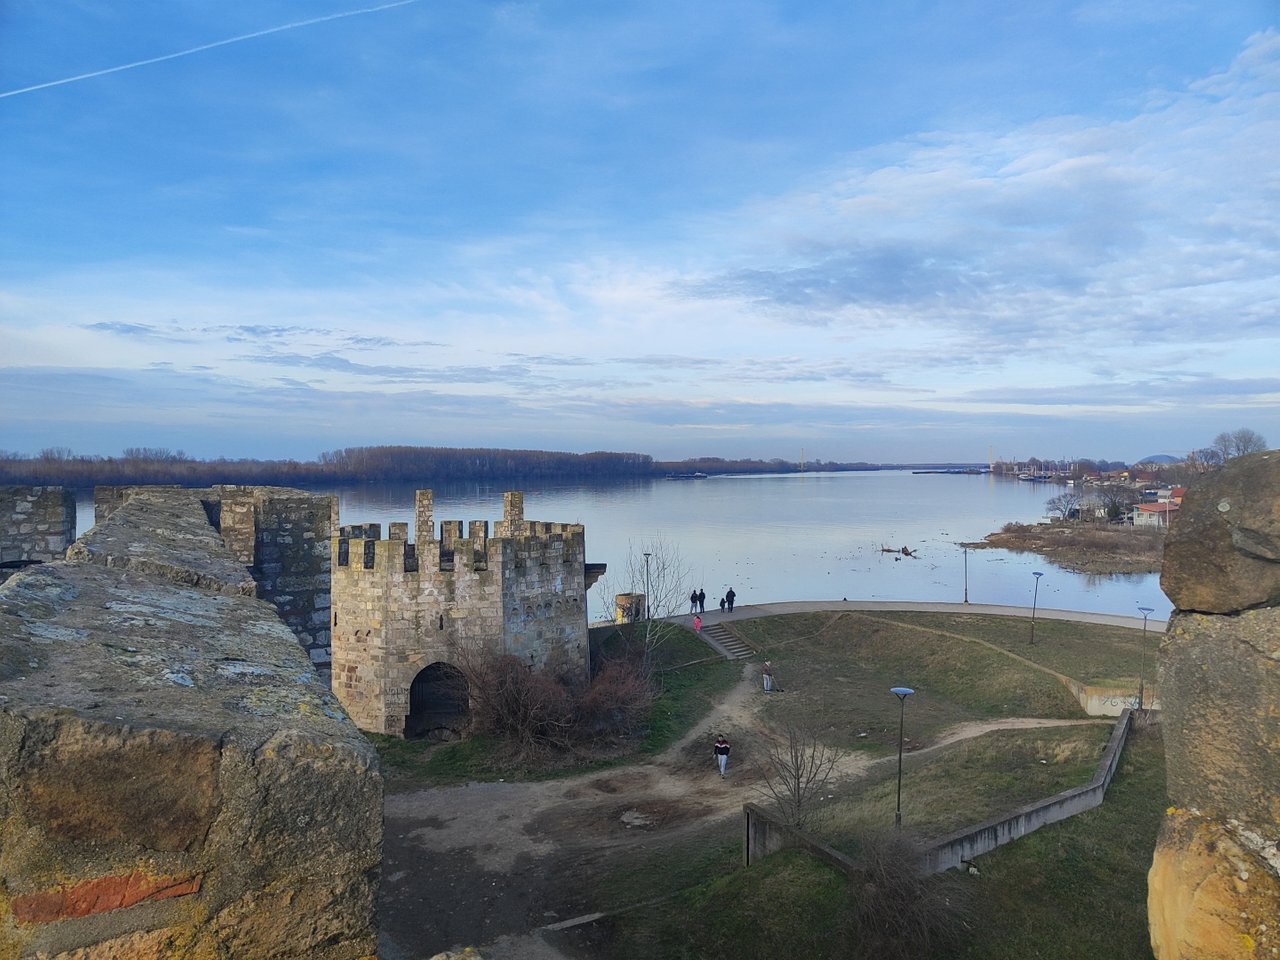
(887, 232)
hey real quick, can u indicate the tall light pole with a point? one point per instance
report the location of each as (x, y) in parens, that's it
(966, 574)
(901, 693)
(646, 586)
(1034, 597)
(1142, 671)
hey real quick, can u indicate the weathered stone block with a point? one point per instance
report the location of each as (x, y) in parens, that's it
(174, 775)
(1223, 551)
(1220, 690)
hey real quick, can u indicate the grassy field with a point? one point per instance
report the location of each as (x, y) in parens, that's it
(1071, 890)
(1074, 890)
(965, 783)
(836, 671)
(1090, 653)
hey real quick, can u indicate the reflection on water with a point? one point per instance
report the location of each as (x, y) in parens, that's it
(812, 536)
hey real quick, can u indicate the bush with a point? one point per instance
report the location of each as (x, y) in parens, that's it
(898, 913)
(529, 709)
(617, 702)
(534, 712)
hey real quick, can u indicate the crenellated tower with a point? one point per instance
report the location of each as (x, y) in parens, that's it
(405, 610)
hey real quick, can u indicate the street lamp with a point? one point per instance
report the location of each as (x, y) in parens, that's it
(966, 574)
(1142, 671)
(646, 586)
(901, 693)
(1034, 597)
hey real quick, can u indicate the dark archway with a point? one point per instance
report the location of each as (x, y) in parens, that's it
(437, 703)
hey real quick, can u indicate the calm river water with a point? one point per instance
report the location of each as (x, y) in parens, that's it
(811, 536)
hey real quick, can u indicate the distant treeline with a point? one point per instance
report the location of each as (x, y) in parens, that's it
(59, 466)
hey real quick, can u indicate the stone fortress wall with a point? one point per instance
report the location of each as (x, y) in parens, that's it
(401, 606)
(281, 535)
(37, 524)
(175, 777)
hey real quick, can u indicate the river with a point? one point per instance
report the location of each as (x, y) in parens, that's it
(809, 536)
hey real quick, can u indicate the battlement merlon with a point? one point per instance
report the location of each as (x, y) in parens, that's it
(423, 518)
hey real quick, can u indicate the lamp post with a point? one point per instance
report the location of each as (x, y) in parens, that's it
(646, 586)
(1142, 670)
(901, 693)
(966, 574)
(1035, 595)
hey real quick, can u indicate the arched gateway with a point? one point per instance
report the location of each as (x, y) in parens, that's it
(437, 703)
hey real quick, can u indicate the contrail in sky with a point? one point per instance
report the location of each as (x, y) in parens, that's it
(207, 46)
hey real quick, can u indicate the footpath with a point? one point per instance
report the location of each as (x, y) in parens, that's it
(721, 639)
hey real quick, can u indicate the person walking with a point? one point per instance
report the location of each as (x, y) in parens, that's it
(721, 753)
(702, 600)
(697, 623)
(722, 602)
(766, 673)
(693, 602)
(728, 598)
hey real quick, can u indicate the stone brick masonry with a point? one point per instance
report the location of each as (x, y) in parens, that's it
(401, 606)
(36, 525)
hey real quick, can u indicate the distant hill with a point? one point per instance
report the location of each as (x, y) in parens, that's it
(1160, 458)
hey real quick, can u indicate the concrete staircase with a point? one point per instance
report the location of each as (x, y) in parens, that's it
(730, 646)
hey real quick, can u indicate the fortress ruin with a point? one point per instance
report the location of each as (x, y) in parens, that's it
(404, 610)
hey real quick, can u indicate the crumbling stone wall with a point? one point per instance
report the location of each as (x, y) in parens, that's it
(36, 526)
(400, 606)
(281, 535)
(1214, 884)
(175, 780)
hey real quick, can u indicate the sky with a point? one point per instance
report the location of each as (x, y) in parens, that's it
(892, 232)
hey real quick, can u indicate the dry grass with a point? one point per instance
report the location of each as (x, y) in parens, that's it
(1084, 547)
(836, 673)
(965, 783)
(1090, 653)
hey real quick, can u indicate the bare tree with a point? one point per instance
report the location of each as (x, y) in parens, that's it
(1064, 503)
(655, 569)
(1116, 499)
(794, 771)
(1205, 457)
(1245, 441)
(1237, 443)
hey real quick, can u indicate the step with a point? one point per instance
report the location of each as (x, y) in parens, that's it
(725, 642)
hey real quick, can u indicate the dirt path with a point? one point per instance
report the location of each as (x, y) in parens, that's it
(491, 863)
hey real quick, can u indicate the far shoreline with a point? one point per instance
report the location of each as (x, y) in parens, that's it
(1081, 547)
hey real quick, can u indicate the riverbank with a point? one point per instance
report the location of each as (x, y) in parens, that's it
(1083, 548)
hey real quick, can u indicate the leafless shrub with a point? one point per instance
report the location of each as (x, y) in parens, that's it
(794, 771)
(529, 709)
(537, 713)
(617, 701)
(899, 913)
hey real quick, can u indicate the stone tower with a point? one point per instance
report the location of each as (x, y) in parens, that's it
(403, 611)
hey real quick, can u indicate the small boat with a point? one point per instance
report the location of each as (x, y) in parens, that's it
(685, 476)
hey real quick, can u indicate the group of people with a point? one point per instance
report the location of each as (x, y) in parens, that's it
(698, 601)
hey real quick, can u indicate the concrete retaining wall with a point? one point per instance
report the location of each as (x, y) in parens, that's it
(764, 834)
